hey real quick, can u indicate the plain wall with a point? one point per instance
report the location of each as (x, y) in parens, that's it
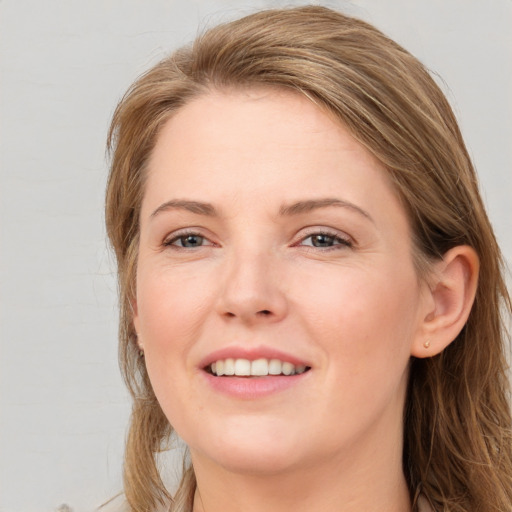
(64, 65)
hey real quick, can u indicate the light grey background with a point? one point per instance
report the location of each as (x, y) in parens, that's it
(64, 65)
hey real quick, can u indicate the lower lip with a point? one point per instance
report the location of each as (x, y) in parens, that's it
(250, 388)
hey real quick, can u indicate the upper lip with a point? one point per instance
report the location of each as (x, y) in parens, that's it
(237, 352)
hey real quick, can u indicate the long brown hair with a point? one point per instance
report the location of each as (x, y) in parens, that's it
(457, 423)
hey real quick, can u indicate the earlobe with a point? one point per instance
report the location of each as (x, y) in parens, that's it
(452, 292)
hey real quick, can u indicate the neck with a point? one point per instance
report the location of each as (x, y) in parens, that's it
(333, 486)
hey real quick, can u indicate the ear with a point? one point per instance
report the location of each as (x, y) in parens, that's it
(452, 289)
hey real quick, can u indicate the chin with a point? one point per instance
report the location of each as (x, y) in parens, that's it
(256, 448)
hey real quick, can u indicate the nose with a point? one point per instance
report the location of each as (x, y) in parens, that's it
(251, 290)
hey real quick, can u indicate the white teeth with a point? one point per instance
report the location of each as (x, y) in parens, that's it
(242, 367)
(274, 367)
(229, 367)
(288, 368)
(257, 368)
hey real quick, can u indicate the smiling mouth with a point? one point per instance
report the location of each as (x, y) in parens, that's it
(257, 368)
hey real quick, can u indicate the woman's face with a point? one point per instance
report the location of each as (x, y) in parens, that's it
(272, 242)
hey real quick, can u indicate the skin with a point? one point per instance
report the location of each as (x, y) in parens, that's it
(354, 310)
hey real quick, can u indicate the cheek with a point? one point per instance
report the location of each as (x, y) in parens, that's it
(364, 321)
(171, 307)
(364, 332)
(171, 317)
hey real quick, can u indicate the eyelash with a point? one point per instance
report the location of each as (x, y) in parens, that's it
(338, 242)
(171, 242)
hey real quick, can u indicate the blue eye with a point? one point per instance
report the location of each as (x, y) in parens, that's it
(188, 241)
(322, 240)
(325, 240)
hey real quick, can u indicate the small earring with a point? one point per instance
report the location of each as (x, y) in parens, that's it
(426, 344)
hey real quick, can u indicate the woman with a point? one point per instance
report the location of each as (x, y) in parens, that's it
(311, 291)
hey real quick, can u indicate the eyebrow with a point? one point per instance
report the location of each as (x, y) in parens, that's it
(298, 208)
(314, 204)
(192, 206)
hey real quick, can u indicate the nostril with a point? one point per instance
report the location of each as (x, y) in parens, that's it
(264, 312)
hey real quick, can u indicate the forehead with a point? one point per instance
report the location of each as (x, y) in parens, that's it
(257, 146)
